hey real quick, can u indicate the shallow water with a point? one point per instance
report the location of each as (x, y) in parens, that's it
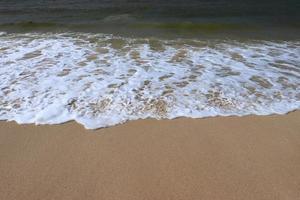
(102, 62)
(218, 19)
(101, 80)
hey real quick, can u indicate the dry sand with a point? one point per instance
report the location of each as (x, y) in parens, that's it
(216, 158)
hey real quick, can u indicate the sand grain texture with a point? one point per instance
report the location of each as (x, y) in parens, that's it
(216, 158)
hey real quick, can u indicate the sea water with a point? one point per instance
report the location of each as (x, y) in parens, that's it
(103, 63)
(100, 80)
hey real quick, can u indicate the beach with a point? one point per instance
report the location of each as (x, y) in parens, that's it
(158, 100)
(249, 157)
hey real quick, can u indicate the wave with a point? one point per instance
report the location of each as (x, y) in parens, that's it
(31, 25)
(102, 80)
(134, 23)
(121, 18)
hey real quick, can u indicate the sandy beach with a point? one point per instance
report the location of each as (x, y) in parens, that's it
(73, 71)
(253, 157)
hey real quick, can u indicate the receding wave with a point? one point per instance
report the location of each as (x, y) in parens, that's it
(101, 80)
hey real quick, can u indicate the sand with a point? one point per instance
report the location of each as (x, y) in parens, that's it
(253, 157)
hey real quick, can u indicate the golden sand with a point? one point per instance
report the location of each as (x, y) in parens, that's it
(223, 158)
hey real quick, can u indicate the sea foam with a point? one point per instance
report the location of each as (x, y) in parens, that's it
(102, 80)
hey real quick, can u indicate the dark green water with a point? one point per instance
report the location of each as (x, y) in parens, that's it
(166, 18)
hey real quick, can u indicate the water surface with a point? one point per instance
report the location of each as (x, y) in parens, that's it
(102, 63)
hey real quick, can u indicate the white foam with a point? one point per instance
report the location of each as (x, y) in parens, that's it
(102, 80)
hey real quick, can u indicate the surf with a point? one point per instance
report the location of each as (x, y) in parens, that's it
(101, 80)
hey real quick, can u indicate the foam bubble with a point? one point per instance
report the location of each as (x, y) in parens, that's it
(102, 80)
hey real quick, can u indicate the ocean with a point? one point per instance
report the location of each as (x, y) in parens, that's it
(102, 63)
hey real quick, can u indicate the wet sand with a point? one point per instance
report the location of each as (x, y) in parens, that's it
(251, 157)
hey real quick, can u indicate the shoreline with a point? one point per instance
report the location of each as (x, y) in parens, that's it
(249, 157)
(73, 121)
